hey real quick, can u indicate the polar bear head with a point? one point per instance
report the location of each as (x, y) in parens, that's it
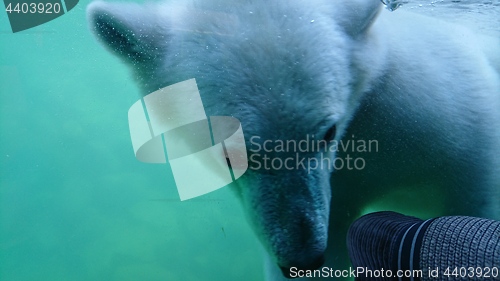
(288, 70)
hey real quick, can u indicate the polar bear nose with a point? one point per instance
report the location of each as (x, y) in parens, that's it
(315, 264)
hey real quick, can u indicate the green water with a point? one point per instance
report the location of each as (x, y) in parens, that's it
(75, 204)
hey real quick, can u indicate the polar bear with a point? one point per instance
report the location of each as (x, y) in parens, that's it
(425, 93)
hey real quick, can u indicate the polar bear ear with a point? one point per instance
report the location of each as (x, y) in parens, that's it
(130, 30)
(357, 16)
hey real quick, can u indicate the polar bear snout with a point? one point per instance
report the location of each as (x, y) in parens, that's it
(289, 213)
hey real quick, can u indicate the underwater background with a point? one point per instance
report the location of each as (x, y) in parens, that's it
(75, 204)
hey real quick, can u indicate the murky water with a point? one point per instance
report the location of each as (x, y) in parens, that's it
(479, 15)
(74, 202)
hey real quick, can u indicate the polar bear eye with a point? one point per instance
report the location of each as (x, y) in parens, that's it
(330, 134)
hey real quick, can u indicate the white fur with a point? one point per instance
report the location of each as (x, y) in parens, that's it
(427, 91)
